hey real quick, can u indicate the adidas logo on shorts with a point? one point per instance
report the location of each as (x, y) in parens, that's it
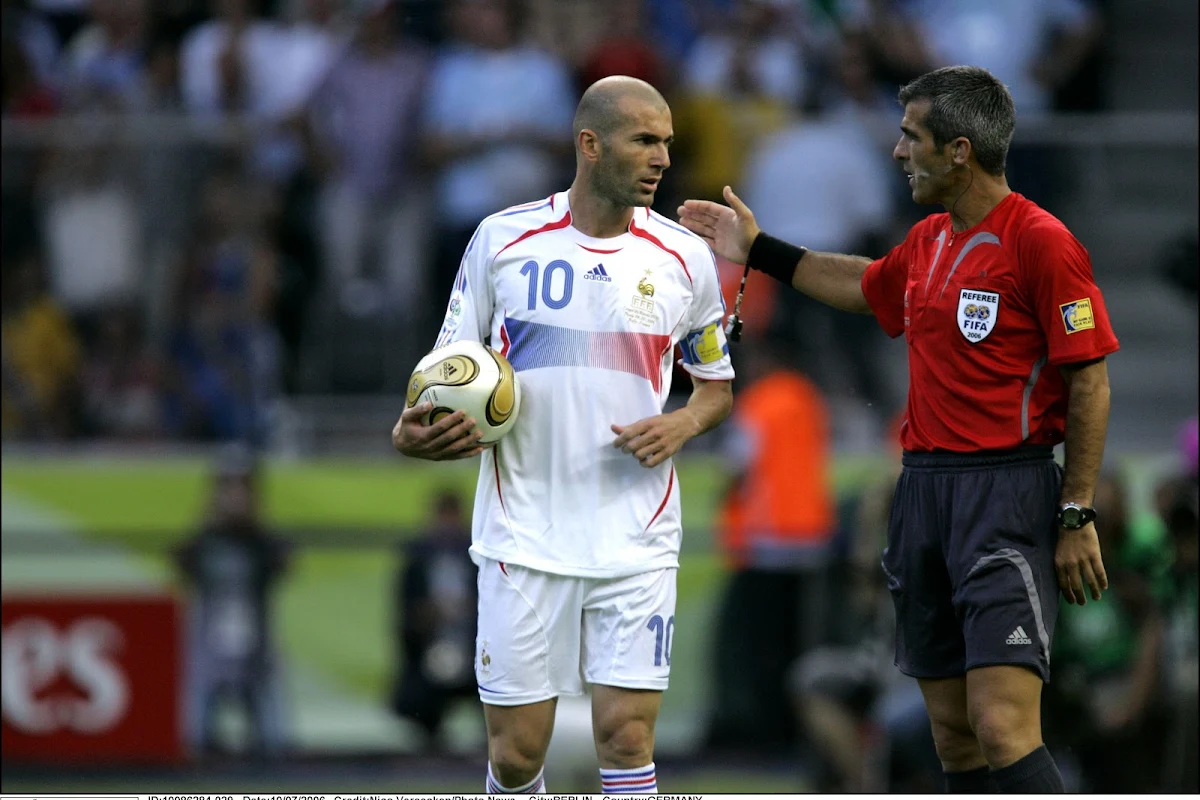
(597, 273)
(1019, 637)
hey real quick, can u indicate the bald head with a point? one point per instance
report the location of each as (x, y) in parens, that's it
(601, 107)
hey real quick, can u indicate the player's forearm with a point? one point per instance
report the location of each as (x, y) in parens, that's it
(1087, 426)
(710, 404)
(834, 279)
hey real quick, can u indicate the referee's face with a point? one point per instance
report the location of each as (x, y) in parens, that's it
(635, 155)
(927, 166)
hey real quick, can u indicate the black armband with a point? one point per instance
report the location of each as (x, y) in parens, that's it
(774, 257)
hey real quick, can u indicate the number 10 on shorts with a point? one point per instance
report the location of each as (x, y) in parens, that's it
(662, 638)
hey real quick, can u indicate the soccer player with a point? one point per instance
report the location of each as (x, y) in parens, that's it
(576, 528)
(1007, 336)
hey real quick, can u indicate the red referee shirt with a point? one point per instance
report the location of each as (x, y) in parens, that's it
(990, 313)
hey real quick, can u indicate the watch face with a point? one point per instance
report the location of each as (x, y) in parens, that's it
(1071, 517)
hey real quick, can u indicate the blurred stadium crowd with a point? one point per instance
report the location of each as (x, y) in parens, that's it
(210, 206)
(249, 199)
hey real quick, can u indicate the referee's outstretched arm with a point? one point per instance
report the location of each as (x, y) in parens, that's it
(732, 233)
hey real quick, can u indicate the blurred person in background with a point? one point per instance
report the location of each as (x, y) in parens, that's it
(837, 151)
(24, 95)
(741, 80)
(497, 117)
(625, 48)
(224, 349)
(1107, 701)
(105, 62)
(755, 50)
(233, 567)
(36, 39)
(435, 603)
(121, 381)
(1032, 46)
(775, 533)
(228, 64)
(866, 720)
(93, 227)
(1179, 504)
(373, 210)
(41, 355)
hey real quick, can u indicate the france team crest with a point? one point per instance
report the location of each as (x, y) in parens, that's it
(977, 313)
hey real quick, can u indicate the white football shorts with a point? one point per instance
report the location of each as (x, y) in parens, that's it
(543, 635)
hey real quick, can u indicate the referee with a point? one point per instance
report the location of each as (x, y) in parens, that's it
(1007, 335)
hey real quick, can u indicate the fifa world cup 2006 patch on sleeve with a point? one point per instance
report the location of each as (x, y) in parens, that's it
(1077, 315)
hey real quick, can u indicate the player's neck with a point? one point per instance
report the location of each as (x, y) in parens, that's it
(596, 217)
(970, 205)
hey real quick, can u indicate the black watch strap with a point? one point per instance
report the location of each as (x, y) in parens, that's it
(1073, 516)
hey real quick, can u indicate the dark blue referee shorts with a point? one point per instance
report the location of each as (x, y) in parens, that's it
(970, 561)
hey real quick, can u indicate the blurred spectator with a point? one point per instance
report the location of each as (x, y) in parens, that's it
(40, 355)
(497, 124)
(624, 48)
(1182, 656)
(93, 228)
(229, 64)
(1107, 694)
(67, 17)
(25, 96)
(741, 81)
(35, 37)
(1033, 46)
(105, 62)
(755, 52)
(775, 532)
(436, 605)
(827, 183)
(224, 346)
(866, 718)
(233, 566)
(374, 211)
(1180, 264)
(121, 382)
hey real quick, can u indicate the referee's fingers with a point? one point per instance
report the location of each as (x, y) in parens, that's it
(1064, 584)
(1076, 584)
(1098, 568)
(1089, 578)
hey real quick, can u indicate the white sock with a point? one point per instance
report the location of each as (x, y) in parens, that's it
(640, 780)
(535, 786)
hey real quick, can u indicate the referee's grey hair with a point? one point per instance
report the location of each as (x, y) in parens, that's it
(968, 102)
(599, 109)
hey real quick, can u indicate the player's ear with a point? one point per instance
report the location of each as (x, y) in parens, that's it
(589, 144)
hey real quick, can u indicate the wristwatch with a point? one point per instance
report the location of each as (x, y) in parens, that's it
(1073, 516)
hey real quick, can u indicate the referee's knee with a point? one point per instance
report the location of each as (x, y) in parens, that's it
(1006, 731)
(957, 747)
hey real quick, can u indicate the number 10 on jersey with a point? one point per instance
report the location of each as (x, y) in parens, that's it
(548, 299)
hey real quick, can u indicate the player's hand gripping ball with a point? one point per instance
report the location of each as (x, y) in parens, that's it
(469, 377)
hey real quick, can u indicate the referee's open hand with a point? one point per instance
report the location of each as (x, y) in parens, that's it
(1078, 562)
(451, 437)
(729, 230)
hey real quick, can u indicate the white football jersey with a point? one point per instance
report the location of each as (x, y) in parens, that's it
(590, 326)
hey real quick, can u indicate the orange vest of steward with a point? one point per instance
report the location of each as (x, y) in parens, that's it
(782, 512)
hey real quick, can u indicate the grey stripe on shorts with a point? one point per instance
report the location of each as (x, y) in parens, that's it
(1018, 561)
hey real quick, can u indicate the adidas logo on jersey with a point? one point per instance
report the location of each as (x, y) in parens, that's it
(597, 273)
(1019, 637)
